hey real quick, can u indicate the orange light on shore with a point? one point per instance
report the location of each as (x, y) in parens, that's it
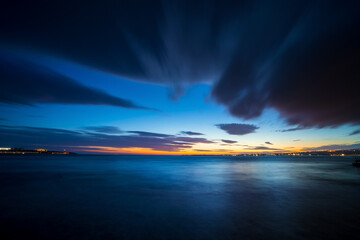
(41, 150)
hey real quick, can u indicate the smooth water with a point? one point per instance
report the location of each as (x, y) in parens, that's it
(181, 197)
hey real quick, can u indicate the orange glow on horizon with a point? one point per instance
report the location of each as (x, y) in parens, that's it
(146, 151)
(207, 149)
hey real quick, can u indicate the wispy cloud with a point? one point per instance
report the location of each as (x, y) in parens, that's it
(149, 134)
(202, 150)
(53, 138)
(263, 148)
(228, 141)
(355, 132)
(293, 129)
(103, 129)
(190, 133)
(333, 147)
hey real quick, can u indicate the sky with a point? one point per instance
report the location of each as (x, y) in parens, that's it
(180, 77)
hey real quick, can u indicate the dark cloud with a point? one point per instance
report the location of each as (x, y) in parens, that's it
(300, 58)
(269, 143)
(24, 82)
(103, 129)
(296, 140)
(237, 128)
(80, 140)
(296, 64)
(143, 40)
(191, 133)
(334, 147)
(228, 141)
(355, 132)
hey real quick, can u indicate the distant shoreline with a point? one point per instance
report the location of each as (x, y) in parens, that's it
(21, 151)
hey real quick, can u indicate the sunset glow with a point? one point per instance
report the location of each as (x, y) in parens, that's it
(168, 85)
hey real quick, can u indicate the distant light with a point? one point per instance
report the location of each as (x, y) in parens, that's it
(41, 150)
(5, 149)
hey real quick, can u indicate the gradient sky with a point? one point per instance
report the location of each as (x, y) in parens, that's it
(175, 77)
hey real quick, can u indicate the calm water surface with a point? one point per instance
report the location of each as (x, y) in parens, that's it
(162, 197)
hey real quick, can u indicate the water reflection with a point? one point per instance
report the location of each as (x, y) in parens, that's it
(131, 197)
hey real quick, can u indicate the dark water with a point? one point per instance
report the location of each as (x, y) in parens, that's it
(132, 197)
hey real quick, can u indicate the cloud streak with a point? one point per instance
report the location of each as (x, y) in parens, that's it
(103, 129)
(58, 139)
(293, 129)
(24, 82)
(355, 132)
(190, 133)
(263, 148)
(333, 147)
(228, 141)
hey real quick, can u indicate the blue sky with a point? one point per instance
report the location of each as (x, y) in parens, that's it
(123, 77)
(193, 111)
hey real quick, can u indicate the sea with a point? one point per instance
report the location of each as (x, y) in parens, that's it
(179, 197)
